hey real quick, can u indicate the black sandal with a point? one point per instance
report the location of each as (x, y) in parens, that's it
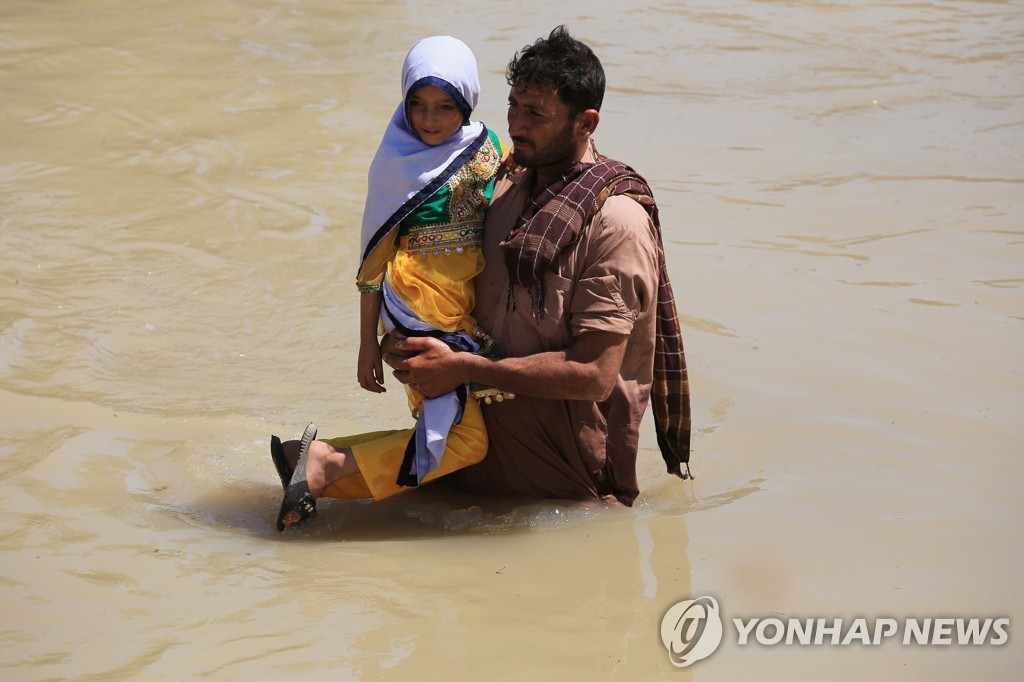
(297, 496)
(284, 471)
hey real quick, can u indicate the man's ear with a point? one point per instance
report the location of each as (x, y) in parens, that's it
(587, 121)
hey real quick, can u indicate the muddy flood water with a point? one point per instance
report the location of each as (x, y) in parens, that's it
(842, 193)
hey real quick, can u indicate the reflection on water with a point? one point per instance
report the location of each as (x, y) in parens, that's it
(180, 191)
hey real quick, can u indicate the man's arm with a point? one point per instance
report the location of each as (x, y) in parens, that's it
(585, 371)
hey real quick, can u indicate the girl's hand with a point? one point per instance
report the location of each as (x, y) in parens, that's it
(509, 165)
(370, 368)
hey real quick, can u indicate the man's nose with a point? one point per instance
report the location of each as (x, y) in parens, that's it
(515, 123)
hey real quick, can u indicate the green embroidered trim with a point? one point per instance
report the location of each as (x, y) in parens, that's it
(452, 221)
(368, 288)
(488, 346)
(490, 395)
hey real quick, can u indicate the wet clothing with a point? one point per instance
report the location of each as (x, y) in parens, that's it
(607, 280)
(380, 454)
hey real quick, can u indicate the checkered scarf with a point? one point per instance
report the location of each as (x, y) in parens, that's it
(551, 222)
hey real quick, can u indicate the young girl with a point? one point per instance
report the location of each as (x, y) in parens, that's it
(429, 185)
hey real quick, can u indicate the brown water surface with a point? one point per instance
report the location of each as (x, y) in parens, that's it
(180, 192)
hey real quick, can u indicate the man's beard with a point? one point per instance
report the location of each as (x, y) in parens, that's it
(559, 151)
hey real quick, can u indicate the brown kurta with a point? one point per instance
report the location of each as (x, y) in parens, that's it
(606, 281)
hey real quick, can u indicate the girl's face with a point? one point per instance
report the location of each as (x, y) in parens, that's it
(433, 114)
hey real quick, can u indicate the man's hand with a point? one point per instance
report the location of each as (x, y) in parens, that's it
(426, 364)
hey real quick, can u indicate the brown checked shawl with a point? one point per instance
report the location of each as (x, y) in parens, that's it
(552, 221)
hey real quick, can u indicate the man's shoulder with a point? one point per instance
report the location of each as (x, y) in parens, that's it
(624, 226)
(621, 209)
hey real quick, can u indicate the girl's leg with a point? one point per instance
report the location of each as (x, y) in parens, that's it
(366, 465)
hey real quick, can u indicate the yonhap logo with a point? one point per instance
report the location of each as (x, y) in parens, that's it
(691, 630)
(866, 632)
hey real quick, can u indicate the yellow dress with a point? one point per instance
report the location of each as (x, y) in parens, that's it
(430, 264)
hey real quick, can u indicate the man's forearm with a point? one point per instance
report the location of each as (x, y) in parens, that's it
(547, 375)
(586, 371)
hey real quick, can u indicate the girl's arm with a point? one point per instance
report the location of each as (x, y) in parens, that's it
(370, 369)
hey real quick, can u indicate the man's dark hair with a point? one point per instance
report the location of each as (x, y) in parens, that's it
(563, 63)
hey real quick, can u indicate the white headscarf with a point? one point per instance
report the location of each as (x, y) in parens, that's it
(406, 171)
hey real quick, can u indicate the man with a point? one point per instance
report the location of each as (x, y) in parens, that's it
(576, 295)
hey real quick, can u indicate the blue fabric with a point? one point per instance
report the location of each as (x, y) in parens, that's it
(437, 414)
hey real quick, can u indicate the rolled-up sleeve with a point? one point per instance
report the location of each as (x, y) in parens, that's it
(619, 271)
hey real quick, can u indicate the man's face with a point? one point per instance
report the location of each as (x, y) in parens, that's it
(541, 129)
